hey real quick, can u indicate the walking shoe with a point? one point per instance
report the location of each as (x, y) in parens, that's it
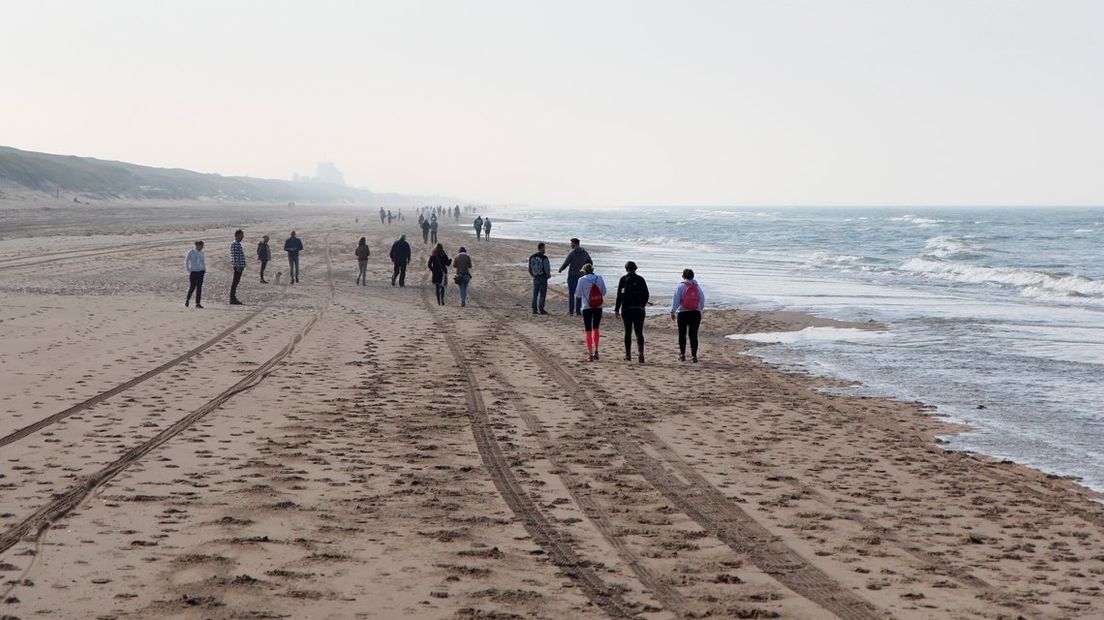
(534, 312)
(235, 302)
(589, 357)
(199, 307)
(682, 358)
(542, 312)
(628, 356)
(640, 358)
(694, 359)
(189, 302)
(263, 281)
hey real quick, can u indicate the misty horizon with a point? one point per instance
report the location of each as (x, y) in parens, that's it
(736, 104)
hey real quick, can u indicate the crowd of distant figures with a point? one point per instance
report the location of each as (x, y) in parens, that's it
(586, 290)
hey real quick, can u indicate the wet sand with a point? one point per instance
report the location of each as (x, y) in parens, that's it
(339, 451)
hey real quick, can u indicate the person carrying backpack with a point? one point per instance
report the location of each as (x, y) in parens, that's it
(540, 269)
(478, 225)
(686, 307)
(590, 292)
(632, 297)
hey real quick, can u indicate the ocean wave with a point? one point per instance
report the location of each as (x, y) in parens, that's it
(827, 258)
(1032, 284)
(1083, 231)
(915, 219)
(948, 246)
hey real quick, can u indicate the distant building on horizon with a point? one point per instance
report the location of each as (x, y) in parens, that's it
(326, 172)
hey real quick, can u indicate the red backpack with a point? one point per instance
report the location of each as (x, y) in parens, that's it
(594, 296)
(691, 297)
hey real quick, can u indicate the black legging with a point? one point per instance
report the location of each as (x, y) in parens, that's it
(592, 318)
(691, 320)
(634, 321)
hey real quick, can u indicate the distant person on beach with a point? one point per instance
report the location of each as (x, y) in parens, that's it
(686, 307)
(438, 265)
(478, 225)
(433, 229)
(425, 230)
(196, 265)
(632, 297)
(237, 261)
(574, 263)
(362, 253)
(540, 269)
(293, 246)
(463, 265)
(264, 254)
(590, 293)
(400, 256)
(383, 214)
(487, 228)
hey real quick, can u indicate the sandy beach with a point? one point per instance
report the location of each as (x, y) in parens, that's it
(330, 450)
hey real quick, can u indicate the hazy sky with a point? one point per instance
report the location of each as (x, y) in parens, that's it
(586, 103)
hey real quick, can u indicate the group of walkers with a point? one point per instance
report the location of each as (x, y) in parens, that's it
(482, 226)
(586, 289)
(196, 265)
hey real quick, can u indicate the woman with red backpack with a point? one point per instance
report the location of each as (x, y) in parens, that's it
(686, 307)
(590, 292)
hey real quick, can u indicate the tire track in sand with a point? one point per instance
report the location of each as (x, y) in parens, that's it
(63, 503)
(34, 427)
(535, 522)
(713, 510)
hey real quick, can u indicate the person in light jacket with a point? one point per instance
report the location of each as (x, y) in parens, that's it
(590, 296)
(197, 268)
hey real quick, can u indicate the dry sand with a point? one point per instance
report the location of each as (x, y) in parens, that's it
(336, 451)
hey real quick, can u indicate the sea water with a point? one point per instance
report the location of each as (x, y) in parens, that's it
(994, 315)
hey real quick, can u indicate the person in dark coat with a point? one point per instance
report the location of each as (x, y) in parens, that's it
(264, 254)
(400, 256)
(438, 265)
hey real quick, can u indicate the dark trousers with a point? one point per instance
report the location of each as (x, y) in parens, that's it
(689, 322)
(293, 267)
(264, 264)
(195, 285)
(573, 305)
(234, 285)
(592, 318)
(634, 321)
(425, 235)
(433, 236)
(540, 293)
(400, 273)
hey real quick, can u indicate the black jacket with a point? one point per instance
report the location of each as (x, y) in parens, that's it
(400, 252)
(632, 292)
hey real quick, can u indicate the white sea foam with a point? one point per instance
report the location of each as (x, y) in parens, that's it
(812, 334)
(1032, 283)
(914, 219)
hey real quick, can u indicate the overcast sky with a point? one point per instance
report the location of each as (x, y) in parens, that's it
(581, 103)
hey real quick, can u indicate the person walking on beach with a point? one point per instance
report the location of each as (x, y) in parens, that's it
(237, 261)
(463, 265)
(400, 256)
(478, 225)
(425, 231)
(293, 246)
(196, 265)
(362, 253)
(574, 263)
(383, 214)
(264, 254)
(540, 269)
(487, 228)
(686, 307)
(438, 265)
(632, 297)
(590, 292)
(433, 229)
